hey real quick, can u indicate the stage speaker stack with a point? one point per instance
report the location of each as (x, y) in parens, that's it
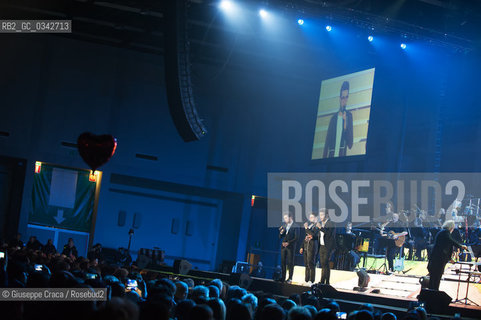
(245, 281)
(328, 291)
(435, 301)
(182, 266)
(226, 266)
(177, 72)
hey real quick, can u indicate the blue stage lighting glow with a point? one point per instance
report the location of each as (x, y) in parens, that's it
(328, 28)
(403, 46)
(370, 38)
(263, 13)
(226, 5)
(300, 22)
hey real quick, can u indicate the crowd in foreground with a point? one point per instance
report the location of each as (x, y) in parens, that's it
(144, 296)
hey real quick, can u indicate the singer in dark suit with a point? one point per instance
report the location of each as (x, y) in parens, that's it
(441, 254)
(289, 233)
(309, 248)
(327, 243)
(340, 131)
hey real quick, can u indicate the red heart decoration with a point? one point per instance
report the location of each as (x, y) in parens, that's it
(96, 150)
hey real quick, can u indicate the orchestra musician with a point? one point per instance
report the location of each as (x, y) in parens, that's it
(289, 233)
(441, 253)
(395, 229)
(327, 243)
(310, 247)
(420, 234)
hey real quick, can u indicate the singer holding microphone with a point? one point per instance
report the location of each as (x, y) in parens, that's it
(339, 136)
(309, 248)
(441, 253)
(327, 243)
(289, 234)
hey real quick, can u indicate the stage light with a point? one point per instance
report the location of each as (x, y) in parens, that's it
(370, 38)
(403, 46)
(263, 13)
(363, 280)
(92, 177)
(38, 166)
(300, 22)
(226, 5)
(328, 28)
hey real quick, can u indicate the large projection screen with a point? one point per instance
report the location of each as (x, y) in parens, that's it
(343, 115)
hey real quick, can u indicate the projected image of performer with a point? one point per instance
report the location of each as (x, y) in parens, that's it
(339, 133)
(289, 233)
(327, 243)
(441, 254)
(309, 248)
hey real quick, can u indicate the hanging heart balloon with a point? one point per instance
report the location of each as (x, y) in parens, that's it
(96, 150)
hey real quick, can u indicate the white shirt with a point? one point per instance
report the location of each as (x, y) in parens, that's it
(321, 235)
(339, 128)
(288, 227)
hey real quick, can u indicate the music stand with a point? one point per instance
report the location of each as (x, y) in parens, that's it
(384, 265)
(468, 281)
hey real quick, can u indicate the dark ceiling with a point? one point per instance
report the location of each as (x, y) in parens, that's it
(138, 25)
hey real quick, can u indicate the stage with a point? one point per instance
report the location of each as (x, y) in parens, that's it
(396, 285)
(395, 292)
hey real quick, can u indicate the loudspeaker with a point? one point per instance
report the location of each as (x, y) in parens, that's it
(435, 301)
(182, 266)
(121, 218)
(137, 220)
(328, 291)
(226, 266)
(243, 280)
(174, 227)
(177, 72)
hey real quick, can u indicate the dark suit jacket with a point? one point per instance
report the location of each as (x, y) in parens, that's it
(314, 232)
(346, 138)
(442, 250)
(290, 236)
(329, 235)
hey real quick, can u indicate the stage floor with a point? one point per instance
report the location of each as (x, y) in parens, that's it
(398, 285)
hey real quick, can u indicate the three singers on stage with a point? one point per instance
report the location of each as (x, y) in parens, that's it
(320, 239)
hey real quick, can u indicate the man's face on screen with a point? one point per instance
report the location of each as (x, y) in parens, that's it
(343, 98)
